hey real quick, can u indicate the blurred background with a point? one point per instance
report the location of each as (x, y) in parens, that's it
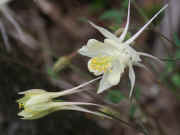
(38, 49)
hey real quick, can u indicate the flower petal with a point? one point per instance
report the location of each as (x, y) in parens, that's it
(104, 84)
(111, 78)
(145, 26)
(32, 92)
(81, 109)
(132, 80)
(150, 56)
(58, 104)
(96, 48)
(25, 114)
(123, 35)
(104, 32)
(142, 66)
(75, 89)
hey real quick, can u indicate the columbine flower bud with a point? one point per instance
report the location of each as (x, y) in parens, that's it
(38, 103)
(42, 109)
(35, 97)
(62, 63)
(38, 110)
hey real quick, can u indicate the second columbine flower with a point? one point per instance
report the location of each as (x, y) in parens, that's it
(112, 56)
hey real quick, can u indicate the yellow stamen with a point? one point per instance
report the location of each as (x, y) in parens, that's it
(100, 64)
(21, 105)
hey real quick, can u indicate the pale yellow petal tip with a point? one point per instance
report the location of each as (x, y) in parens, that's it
(94, 25)
(91, 23)
(100, 91)
(23, 92)
(32, 91)
(86, 49)
(166, 5)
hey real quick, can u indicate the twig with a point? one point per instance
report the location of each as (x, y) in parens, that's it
(5, 37)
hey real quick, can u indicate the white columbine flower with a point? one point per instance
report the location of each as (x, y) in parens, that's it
(112, 56)
(42, 109)
(38, 103)
(38, 96)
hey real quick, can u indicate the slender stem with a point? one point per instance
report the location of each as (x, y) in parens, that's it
(137, 128)
(5, 36)
(167, 59)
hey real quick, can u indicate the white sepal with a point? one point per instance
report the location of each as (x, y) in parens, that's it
(104, 32)
(123, 35)
(129, 41)
(132, 79)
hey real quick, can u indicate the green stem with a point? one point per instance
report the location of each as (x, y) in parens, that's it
(138, 128)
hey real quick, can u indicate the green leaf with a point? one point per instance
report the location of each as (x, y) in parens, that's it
(177, 40)
(137, 93)
(176, 80)
(125, 3)
(114, 27)
(177, 54)
(99, 4)
(169, 65)
(113, 14)
(132, 111)
(115, 96)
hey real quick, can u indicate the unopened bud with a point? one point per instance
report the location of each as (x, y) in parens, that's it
(62, 63)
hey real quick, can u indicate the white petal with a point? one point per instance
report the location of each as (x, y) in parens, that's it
(24, 114)
(146, 25)
(104, 32)
(104, 84)
(111, 78)
(58, 104)
(33, 92)
(39, 99)
(44, 106)
(96, 48)
(142, 66)
(81, 109)
(132, 79)
(115, 45)
(150, 56)
(75, 89)
(123, 35)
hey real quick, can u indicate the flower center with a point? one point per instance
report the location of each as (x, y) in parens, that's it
(21, 105)
(99, 65)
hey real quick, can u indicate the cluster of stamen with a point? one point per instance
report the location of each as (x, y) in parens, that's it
(21, 105)
(100, 64)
